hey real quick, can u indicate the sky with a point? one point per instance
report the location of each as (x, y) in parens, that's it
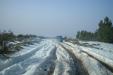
(53, 17)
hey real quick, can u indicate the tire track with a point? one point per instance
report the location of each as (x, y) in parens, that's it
(18, 62)
(80, 69)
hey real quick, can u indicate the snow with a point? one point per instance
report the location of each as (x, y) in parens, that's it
(93, 66)
(100, 45)
(63, 62)
(38, 58)
(49, 57)
(103, 49)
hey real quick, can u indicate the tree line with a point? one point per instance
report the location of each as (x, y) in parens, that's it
(104, 33)
(8, 37)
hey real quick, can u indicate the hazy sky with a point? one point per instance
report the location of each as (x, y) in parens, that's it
(53, 17)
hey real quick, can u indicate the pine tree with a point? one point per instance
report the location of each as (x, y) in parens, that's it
(105, 31)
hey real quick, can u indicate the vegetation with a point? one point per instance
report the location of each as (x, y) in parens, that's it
(9, 42)
(104, 33)
(84, 35)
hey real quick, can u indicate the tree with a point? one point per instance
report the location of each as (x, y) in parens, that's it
(105, 31)
(84, 35)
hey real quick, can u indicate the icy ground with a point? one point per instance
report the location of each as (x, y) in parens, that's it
(44, 58)
(51, 57)
(104, 49)
(97, 57)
